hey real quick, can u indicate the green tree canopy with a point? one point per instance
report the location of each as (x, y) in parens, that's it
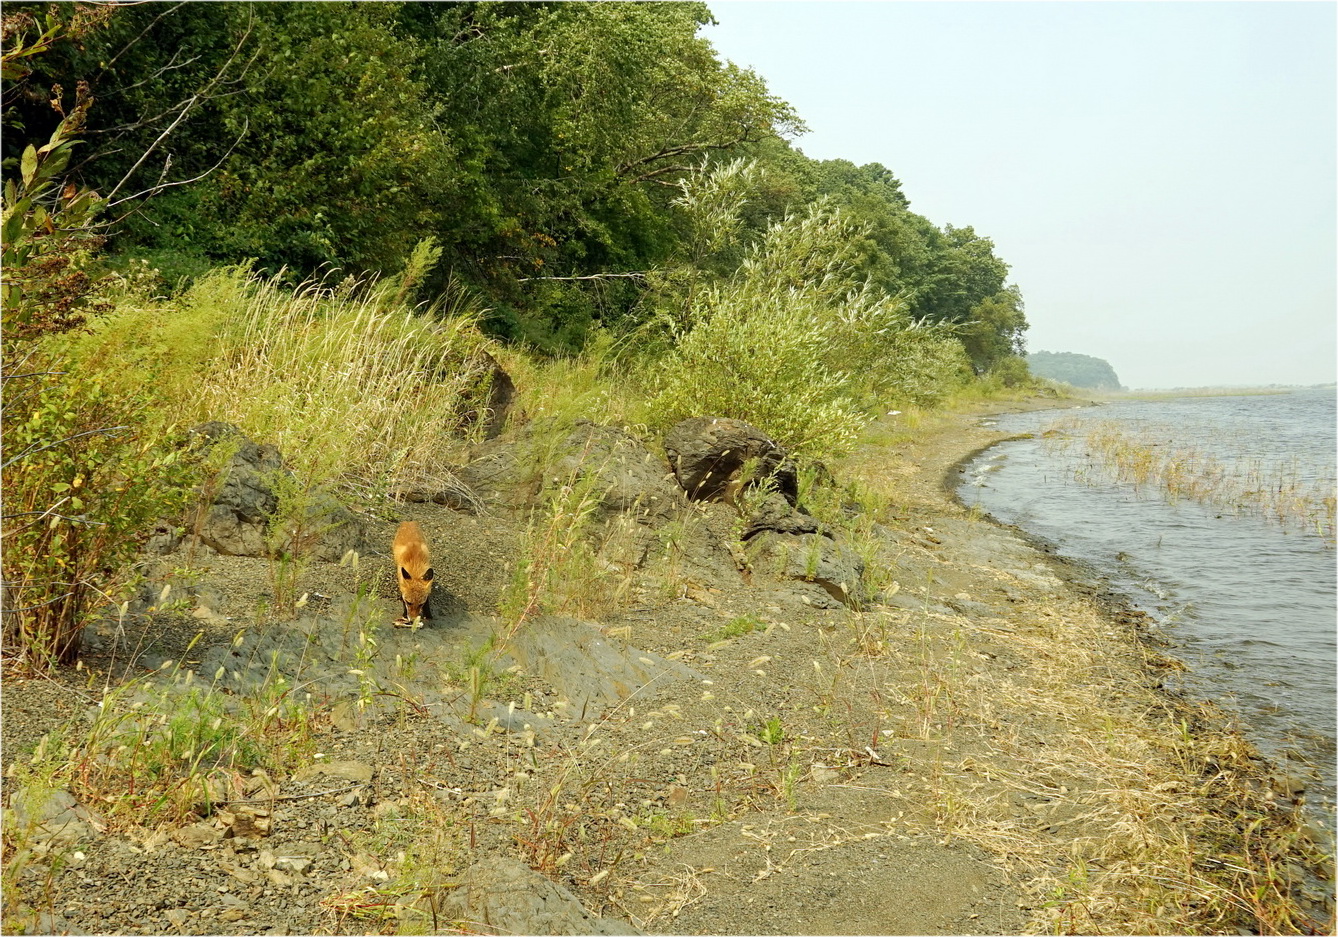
(1072, 368)
(542, 146)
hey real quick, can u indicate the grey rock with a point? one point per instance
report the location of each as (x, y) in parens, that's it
(1288, 784)
(588, 667)
(708, 455)
(972, 608)
(23, 920)
(355, 771)
(496, 474)
(238, 505)
(165, 538)
(197, 835)
(816, 559)
(498, 394)
(777, 514)
(508, 897)
(47, 816)
(298, 865)
(625, 477)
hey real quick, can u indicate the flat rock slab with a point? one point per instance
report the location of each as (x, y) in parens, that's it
(589, 668)
(504, 896)
(816, 873)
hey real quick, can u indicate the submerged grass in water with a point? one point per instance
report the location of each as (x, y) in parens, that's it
(1148, 457)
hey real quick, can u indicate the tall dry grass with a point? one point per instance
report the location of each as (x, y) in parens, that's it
(350, 382)
(1149, 458)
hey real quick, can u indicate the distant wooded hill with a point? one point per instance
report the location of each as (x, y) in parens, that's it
(1075, 369)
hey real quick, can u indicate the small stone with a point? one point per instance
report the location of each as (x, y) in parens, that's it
(178, 917)
(246, 821)
(825, 775)
(355, 771)
(197, 835)
(297, 864)
(1288, 785)
(282, 879)
(344, 717)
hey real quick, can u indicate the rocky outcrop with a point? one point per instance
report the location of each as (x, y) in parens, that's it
(777, 514)
(709, 456)
(497, 392)
(628, 477)
(239, 504)
(715, 459)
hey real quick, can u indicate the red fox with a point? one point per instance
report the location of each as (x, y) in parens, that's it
(413, 571)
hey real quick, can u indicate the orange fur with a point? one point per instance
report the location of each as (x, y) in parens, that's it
(413, 570)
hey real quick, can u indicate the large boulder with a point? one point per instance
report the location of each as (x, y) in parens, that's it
(238, 505)
(714, 458)
(709, 455)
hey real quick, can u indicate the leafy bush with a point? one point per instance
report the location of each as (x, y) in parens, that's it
(48, 232)
(83, 481)
(761, 359)
(793, 343)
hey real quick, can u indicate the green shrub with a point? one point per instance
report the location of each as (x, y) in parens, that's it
(793, 341)
(83, 482)
(761, 359)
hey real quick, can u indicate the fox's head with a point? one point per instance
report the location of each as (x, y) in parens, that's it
(416, 590)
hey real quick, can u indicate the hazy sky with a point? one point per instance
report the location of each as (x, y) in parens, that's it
(1161, 177)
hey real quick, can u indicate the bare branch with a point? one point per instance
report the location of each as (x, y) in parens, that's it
(593, 276)
(160, 186)
(171, 66)
(49, 513)
(187, 106)
(670, 152)
(131, 43)
(11, 611)
(15, 377)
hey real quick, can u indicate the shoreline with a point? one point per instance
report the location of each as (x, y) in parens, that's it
(989, 749)
(1259, 770)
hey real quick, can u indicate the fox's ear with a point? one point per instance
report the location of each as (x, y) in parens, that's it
(427, 576)
(405, 573)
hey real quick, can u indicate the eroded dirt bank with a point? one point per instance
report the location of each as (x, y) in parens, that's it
(984, 748)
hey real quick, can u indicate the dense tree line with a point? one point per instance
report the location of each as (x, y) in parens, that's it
(1072, 368)
(543, 146)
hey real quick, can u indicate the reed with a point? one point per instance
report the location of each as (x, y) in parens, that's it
(1149, 458)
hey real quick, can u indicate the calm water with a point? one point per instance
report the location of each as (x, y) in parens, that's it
(1250, 603)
